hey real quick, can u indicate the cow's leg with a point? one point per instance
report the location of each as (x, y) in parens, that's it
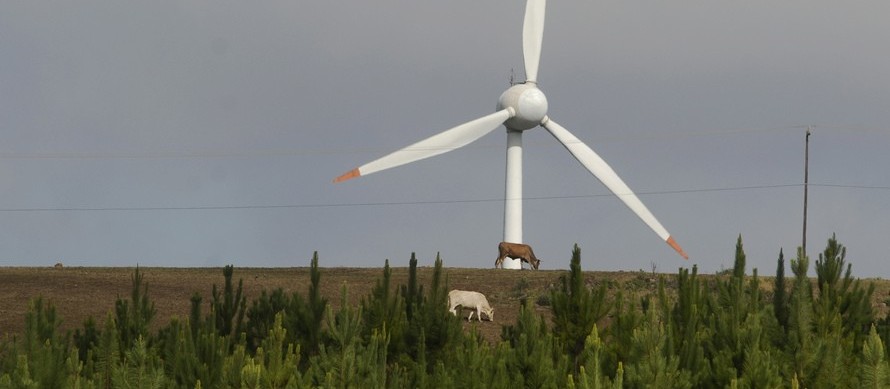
(470, 317)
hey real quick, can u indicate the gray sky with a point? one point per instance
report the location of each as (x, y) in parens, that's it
(175, 133)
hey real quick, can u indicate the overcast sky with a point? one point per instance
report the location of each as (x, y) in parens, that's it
(197, 133)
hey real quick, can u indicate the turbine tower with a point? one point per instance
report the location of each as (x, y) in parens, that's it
(521, 107)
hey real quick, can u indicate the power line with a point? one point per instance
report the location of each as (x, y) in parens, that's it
(853, 186)
(407, 203)
(220, 154)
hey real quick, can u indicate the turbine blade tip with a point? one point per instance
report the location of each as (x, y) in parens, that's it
(673, 243)
(348, 175)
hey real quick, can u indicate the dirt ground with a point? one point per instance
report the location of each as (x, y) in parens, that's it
(82, 292)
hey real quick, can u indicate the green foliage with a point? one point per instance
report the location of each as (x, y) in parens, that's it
(308, 314)
(384, 310)
(874, 372)
(780, 294)
(687, 333)
(430, 327)
(726, 315)
(650, 365)
(20, 377)
(46, 350)
(760, 367)
(134, 315)
(842, 295)
(576, 309)
(800, 337)
(704, 333)
(590, 375)
(229, 305)
(194, 357)
(470, 363)
(534, 351)
(139, 369)
(85, 341)
(275, 362)
(625, 318)
(108, 353)
(261, 315)
(349, 362)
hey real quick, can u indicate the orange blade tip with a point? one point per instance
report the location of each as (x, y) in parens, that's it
(350, 174)
(675, 246)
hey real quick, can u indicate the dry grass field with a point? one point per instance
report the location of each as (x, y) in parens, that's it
(82, 292)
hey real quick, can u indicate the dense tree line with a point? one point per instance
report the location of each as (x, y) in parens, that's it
(724, 332)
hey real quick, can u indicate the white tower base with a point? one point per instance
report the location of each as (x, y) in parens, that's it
(513, 196)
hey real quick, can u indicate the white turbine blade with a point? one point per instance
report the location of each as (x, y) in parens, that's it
(437, 144)
(601, 170)
(532, 37)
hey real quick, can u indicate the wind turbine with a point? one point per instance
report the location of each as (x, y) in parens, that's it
(521, 107)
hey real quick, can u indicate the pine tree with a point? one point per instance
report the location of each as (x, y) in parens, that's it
(626, 317)
(800, 342)
(761, 360)
(473, 362)
(534, 352)
(176, 346)
(726, 314)
(278, 359)
(412, 296)
(85, 341)
(134, 316)
(20, 377)
(384, 309)
(842, 295)
(441, 327)
(139, 369)
(686, 334)
(780, 296)
(195, 318)
(347, 361)
(229, 305)
(576, 309)
(306, 322)
(44, 348)
(74, 373)
(262, 313)
(108, 352)
(344, 328)
(412, 293)
(833, 358)
(590, 375)
(839, 313)
(874, 372)
(649, 365)
(430, 327)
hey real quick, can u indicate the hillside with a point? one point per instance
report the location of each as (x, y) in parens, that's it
(79, 292)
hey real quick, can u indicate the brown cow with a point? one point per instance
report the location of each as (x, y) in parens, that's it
(516, 250)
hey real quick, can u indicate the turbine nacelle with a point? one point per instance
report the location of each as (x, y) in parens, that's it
(528, 103)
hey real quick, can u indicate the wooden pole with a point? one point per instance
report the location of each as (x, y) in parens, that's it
(806, 179)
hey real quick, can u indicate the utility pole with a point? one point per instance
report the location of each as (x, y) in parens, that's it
(806, 179)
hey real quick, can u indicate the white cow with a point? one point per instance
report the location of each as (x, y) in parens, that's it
(470, 300)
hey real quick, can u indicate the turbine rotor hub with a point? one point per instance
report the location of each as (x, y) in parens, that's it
(528, 103)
